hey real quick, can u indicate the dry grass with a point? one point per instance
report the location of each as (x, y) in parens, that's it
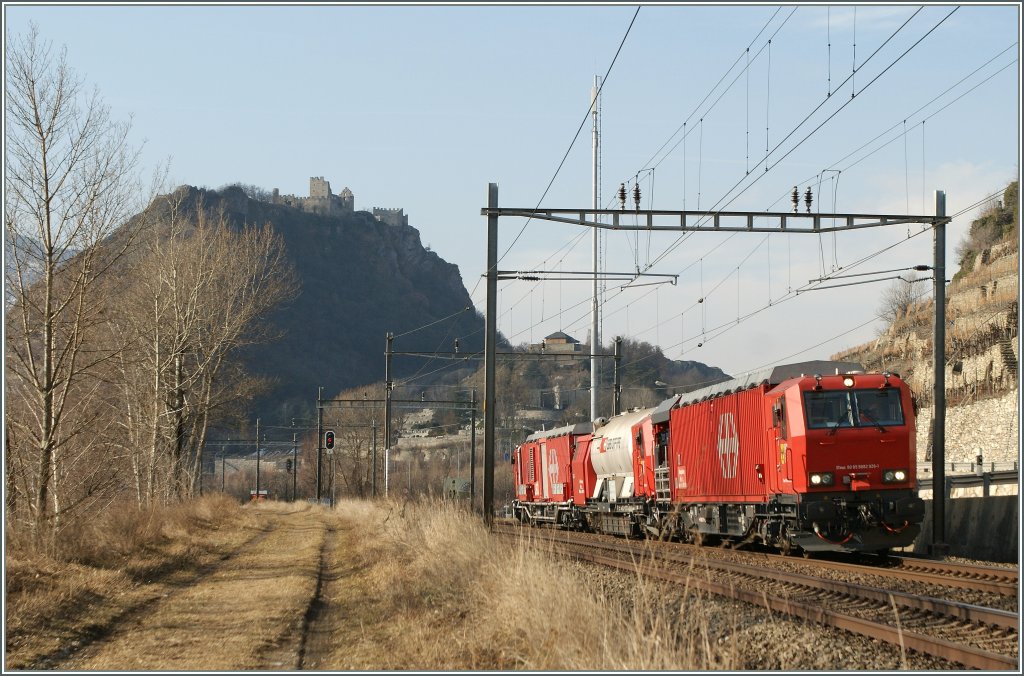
(92, 574)
(242, 614)
(500, 605)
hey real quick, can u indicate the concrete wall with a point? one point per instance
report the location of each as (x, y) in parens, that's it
(977, 528)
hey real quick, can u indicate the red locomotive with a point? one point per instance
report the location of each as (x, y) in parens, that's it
(817, 456)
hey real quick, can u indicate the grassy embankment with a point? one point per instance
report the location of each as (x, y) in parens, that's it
(442, 593)
(415, 586)
(122, 559)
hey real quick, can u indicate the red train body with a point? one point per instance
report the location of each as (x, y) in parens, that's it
(789, 456)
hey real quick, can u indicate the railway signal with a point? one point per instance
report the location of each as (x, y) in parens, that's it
(329, 439)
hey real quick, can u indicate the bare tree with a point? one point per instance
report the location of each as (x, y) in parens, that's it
(69, 184)
(897, 298)
(202, 291)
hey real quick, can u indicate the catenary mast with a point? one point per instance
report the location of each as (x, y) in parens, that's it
(595, 340)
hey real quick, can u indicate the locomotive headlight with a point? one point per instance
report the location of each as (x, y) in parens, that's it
(821, 479)
(892, 476)
(848, 381)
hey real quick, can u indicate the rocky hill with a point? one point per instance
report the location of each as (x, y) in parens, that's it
(981, 346)
(359, 279)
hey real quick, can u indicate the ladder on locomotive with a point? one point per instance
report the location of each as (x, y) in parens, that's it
(661, 484)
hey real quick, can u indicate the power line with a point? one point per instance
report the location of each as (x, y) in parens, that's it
(906, 117)
(606, 301)
(604, 81)
(815, 130)
(575, 138)
(746, 51)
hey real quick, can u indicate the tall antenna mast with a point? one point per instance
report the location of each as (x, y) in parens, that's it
(595, 340)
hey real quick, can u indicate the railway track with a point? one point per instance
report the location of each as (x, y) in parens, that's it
(1003, 581)
(974, 636)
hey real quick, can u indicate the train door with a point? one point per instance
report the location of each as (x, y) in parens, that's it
(643, 458)
(583, 475)
(661, 471)
(781, 445)
(544, 474)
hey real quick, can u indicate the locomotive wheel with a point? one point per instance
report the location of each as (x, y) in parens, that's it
(785, 546)
(696, 537)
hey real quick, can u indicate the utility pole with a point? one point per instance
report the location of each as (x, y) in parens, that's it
(222, 470)
(617, 389)
(472, 452)
(387, 406)
(373, 491)
(490, 348)
(595, 339)
(319, 438)
(257, 459)
(939, 545)
(295, 466)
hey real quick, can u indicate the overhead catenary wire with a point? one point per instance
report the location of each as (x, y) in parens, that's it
(717, 331)
(708, 334)
(583, 123)
(689, 117)
(612, 296)
(724, 92)
(572, 143)
(895, 126)
(727, 200)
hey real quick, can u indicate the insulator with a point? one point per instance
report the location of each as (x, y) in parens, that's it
(796, 199)
(636, 196)
(808, 199)
(622, 196)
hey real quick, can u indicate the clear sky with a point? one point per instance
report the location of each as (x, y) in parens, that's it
(420, 107)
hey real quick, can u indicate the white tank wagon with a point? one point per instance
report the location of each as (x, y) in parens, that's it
(611, 455)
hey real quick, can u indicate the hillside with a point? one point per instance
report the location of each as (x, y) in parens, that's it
(359, 279)
(982, 310)
(982, 345)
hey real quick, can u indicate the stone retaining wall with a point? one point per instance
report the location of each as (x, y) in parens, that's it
(989, 427)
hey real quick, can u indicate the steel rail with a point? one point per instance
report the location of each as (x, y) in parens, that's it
(968, 656)
(639, 553)
(952, 609)
(964, 569)
(1001, 581)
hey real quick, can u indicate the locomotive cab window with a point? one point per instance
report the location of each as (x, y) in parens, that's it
(779, 417)
(853, 408)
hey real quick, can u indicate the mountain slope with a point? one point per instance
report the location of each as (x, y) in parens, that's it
(360, 279)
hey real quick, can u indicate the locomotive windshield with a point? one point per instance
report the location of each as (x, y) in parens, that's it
(853, 408)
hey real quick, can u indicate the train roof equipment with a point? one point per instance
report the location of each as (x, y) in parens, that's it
(772, 375)
(575, 430)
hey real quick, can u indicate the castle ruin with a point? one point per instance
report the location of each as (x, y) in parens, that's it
(322, 201)
(394, 217)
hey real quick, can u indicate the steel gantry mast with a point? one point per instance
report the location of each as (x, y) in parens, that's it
(725, 221)
(595, 340)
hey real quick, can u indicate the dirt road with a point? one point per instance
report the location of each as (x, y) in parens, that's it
(267, 605)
